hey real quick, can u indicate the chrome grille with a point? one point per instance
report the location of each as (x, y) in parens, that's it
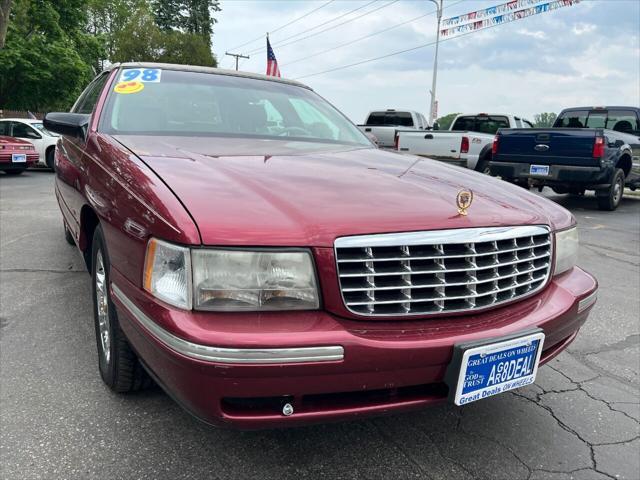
(421, 273)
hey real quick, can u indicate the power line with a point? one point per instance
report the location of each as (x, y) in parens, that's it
(285, 25)
(281, 45)
(424, 45)
(367, 36)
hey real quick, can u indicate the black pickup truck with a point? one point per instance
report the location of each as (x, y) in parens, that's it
(588, 148)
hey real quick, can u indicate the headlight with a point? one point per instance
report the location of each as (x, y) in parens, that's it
(566, 250)
(167, 273)
(241, 280)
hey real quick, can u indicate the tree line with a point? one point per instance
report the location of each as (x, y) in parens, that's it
(51, 49)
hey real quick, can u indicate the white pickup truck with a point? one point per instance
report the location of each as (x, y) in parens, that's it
(382, 124)
(467, 143)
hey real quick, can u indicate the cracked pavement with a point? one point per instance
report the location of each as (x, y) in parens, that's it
(579, 421)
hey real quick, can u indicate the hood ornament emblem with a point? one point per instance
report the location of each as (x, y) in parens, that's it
(464, 200)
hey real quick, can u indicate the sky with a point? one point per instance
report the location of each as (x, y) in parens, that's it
(586, 54)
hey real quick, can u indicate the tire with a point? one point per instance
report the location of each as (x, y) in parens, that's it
(68, 237)
(119, 366)
(50, 159)
(14, 172)
(483, 166)
(610, 199)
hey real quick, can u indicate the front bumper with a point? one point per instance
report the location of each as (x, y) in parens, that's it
(558, 174)
(245, 367)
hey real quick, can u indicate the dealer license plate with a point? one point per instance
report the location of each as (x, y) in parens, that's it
(539, 170)
(18, 157)
(492, 367)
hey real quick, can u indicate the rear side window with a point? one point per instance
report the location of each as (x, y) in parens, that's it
(4, 129)
(625, 121)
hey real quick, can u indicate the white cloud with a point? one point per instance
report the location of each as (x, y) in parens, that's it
(586, 54)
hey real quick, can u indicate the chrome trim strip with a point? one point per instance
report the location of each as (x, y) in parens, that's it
(229, 355)
(587, 301)
(436, 237)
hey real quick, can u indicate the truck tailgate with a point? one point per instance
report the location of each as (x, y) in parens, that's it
(433, 144)
(551, 146)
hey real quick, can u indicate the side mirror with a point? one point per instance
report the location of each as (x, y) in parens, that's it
(70, 124)
(436, 126)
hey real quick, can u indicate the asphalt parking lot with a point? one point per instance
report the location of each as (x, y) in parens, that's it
(579, 421)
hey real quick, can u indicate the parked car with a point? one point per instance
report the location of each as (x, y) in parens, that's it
(32, 131)
(16, 155)
(467, 143)
(588, 148)
(382, 124)
(276, 275)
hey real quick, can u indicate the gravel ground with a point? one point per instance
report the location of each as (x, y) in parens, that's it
(580, 420)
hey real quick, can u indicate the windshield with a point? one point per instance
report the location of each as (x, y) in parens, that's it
(201, 104)
(39, 126)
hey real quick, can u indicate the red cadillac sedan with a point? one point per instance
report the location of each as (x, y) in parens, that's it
(16, 155)
(253, 252)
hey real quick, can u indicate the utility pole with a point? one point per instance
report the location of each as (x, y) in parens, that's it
(237, 56)
(432, 110)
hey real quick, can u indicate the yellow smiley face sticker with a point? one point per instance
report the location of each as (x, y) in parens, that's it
(128, 87)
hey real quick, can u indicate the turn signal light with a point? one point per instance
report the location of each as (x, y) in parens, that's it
(598, 147)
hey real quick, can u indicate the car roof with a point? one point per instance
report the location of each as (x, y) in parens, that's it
(601, 107)
(212, 70)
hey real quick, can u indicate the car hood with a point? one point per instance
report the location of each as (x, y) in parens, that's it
(305, 194)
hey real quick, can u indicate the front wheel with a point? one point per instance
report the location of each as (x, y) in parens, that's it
(610, 199)
(119, 366)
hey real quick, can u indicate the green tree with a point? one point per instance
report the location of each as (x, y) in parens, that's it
(5, 11)
(189, 16)
(41, 65)
(141, 39)
(544, 119)
(445, 121)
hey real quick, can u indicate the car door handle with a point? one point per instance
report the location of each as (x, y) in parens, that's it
(367, 129)
(428, 136)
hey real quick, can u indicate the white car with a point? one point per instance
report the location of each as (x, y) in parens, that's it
(467, 143)
(32, 131)
(382, 125)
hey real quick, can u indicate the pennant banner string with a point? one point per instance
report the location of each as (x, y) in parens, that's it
(477, 20)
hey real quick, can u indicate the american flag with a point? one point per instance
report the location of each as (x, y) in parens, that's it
(272, 63)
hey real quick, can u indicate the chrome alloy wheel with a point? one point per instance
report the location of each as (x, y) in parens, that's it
(617, 192)
(102, 305)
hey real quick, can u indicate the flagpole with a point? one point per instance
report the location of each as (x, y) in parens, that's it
(432, 110)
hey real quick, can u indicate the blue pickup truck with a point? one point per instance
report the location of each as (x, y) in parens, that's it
(588, 148)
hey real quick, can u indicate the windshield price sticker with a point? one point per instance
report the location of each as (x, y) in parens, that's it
(144, 75)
